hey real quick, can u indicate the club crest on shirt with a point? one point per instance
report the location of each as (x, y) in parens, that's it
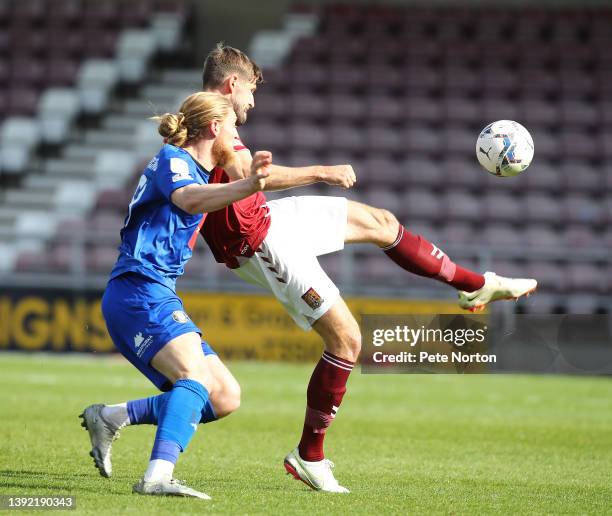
(179, 316)
(312, 298)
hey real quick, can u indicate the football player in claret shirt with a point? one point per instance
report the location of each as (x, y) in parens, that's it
(275, 245)
(144, 316)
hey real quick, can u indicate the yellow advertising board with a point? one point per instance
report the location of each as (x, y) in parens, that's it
(240, 326)
(256, 326)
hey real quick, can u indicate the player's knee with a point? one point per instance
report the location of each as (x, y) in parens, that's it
(351, 344)
(197, 372)
(232, 399)
(387, 225)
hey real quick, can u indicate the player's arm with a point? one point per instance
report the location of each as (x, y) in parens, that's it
(196, 198)
(282, 178)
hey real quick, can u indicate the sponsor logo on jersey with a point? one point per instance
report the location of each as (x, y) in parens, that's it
(138, 340)
(141, 343)
(153, 164)
(312, 298)
(180, 317)
(179, 169)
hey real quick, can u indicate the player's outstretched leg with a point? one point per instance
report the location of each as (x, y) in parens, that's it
(326, 388)
(416, 254)
(103, 422)
(181, 361)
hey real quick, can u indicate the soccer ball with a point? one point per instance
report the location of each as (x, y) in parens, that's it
(504, 148)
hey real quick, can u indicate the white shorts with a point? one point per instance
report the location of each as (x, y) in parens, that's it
(301, 229)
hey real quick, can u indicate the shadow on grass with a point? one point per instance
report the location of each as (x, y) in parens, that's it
(71, 483)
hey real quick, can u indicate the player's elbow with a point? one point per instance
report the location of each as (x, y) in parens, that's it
(186, 202)
(193, 208)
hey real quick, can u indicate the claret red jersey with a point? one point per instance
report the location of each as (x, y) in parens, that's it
(239, 229)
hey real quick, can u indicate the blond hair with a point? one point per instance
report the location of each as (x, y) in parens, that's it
(195, 114)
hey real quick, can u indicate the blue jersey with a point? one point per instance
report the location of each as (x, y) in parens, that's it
(158, 237)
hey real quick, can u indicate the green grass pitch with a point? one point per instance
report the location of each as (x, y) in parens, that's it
(402, 443)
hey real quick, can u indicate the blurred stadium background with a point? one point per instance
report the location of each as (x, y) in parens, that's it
(398, 89)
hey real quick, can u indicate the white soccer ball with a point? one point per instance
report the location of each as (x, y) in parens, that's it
(504, 148)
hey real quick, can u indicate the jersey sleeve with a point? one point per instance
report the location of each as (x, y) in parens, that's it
(174, 173)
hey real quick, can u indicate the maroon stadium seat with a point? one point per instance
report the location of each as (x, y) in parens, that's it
(585, 277)
(345, 137)
(542, 208)
(501, 206)
(418, 203)
(457, 233)
(461, 172)
(307, 136)
(381, 169)
(101, 258)
(542, 176)
(382, 138)
(580, 176)
(538, 112)
(383, 108)
(346, 107)
(420, 139)
(266, 135)
(381, 197)
(423, 172)
(419, 108)
(582, 209)
(500, 235)
(270, 105)
(461, 205)
(551, 277)
(22, 101)
(305, 106)
(580, 237)
(537, 236)
(463, 109)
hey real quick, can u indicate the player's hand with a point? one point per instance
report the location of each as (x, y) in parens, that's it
(260, 169)
(340, 175)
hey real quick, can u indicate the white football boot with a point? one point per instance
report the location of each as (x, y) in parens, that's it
(316, 475)
(167, 487)
(496, 288)
(102, 434)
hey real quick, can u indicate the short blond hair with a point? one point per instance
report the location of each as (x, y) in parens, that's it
(195, 114)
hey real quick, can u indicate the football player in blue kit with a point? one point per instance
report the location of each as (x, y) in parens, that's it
(144, 316)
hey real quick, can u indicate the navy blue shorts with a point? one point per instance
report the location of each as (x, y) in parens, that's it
(142, 316)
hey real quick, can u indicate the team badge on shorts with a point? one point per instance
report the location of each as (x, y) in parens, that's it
(312, 298)
(179, 316)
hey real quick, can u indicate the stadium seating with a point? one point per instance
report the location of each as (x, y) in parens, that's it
(67, 68)
(399, 92)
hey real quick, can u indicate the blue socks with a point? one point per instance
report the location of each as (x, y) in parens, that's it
(177, 419)
(146, 411)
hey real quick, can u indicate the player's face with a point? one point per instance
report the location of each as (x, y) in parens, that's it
(243, 100)
(223, 149)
